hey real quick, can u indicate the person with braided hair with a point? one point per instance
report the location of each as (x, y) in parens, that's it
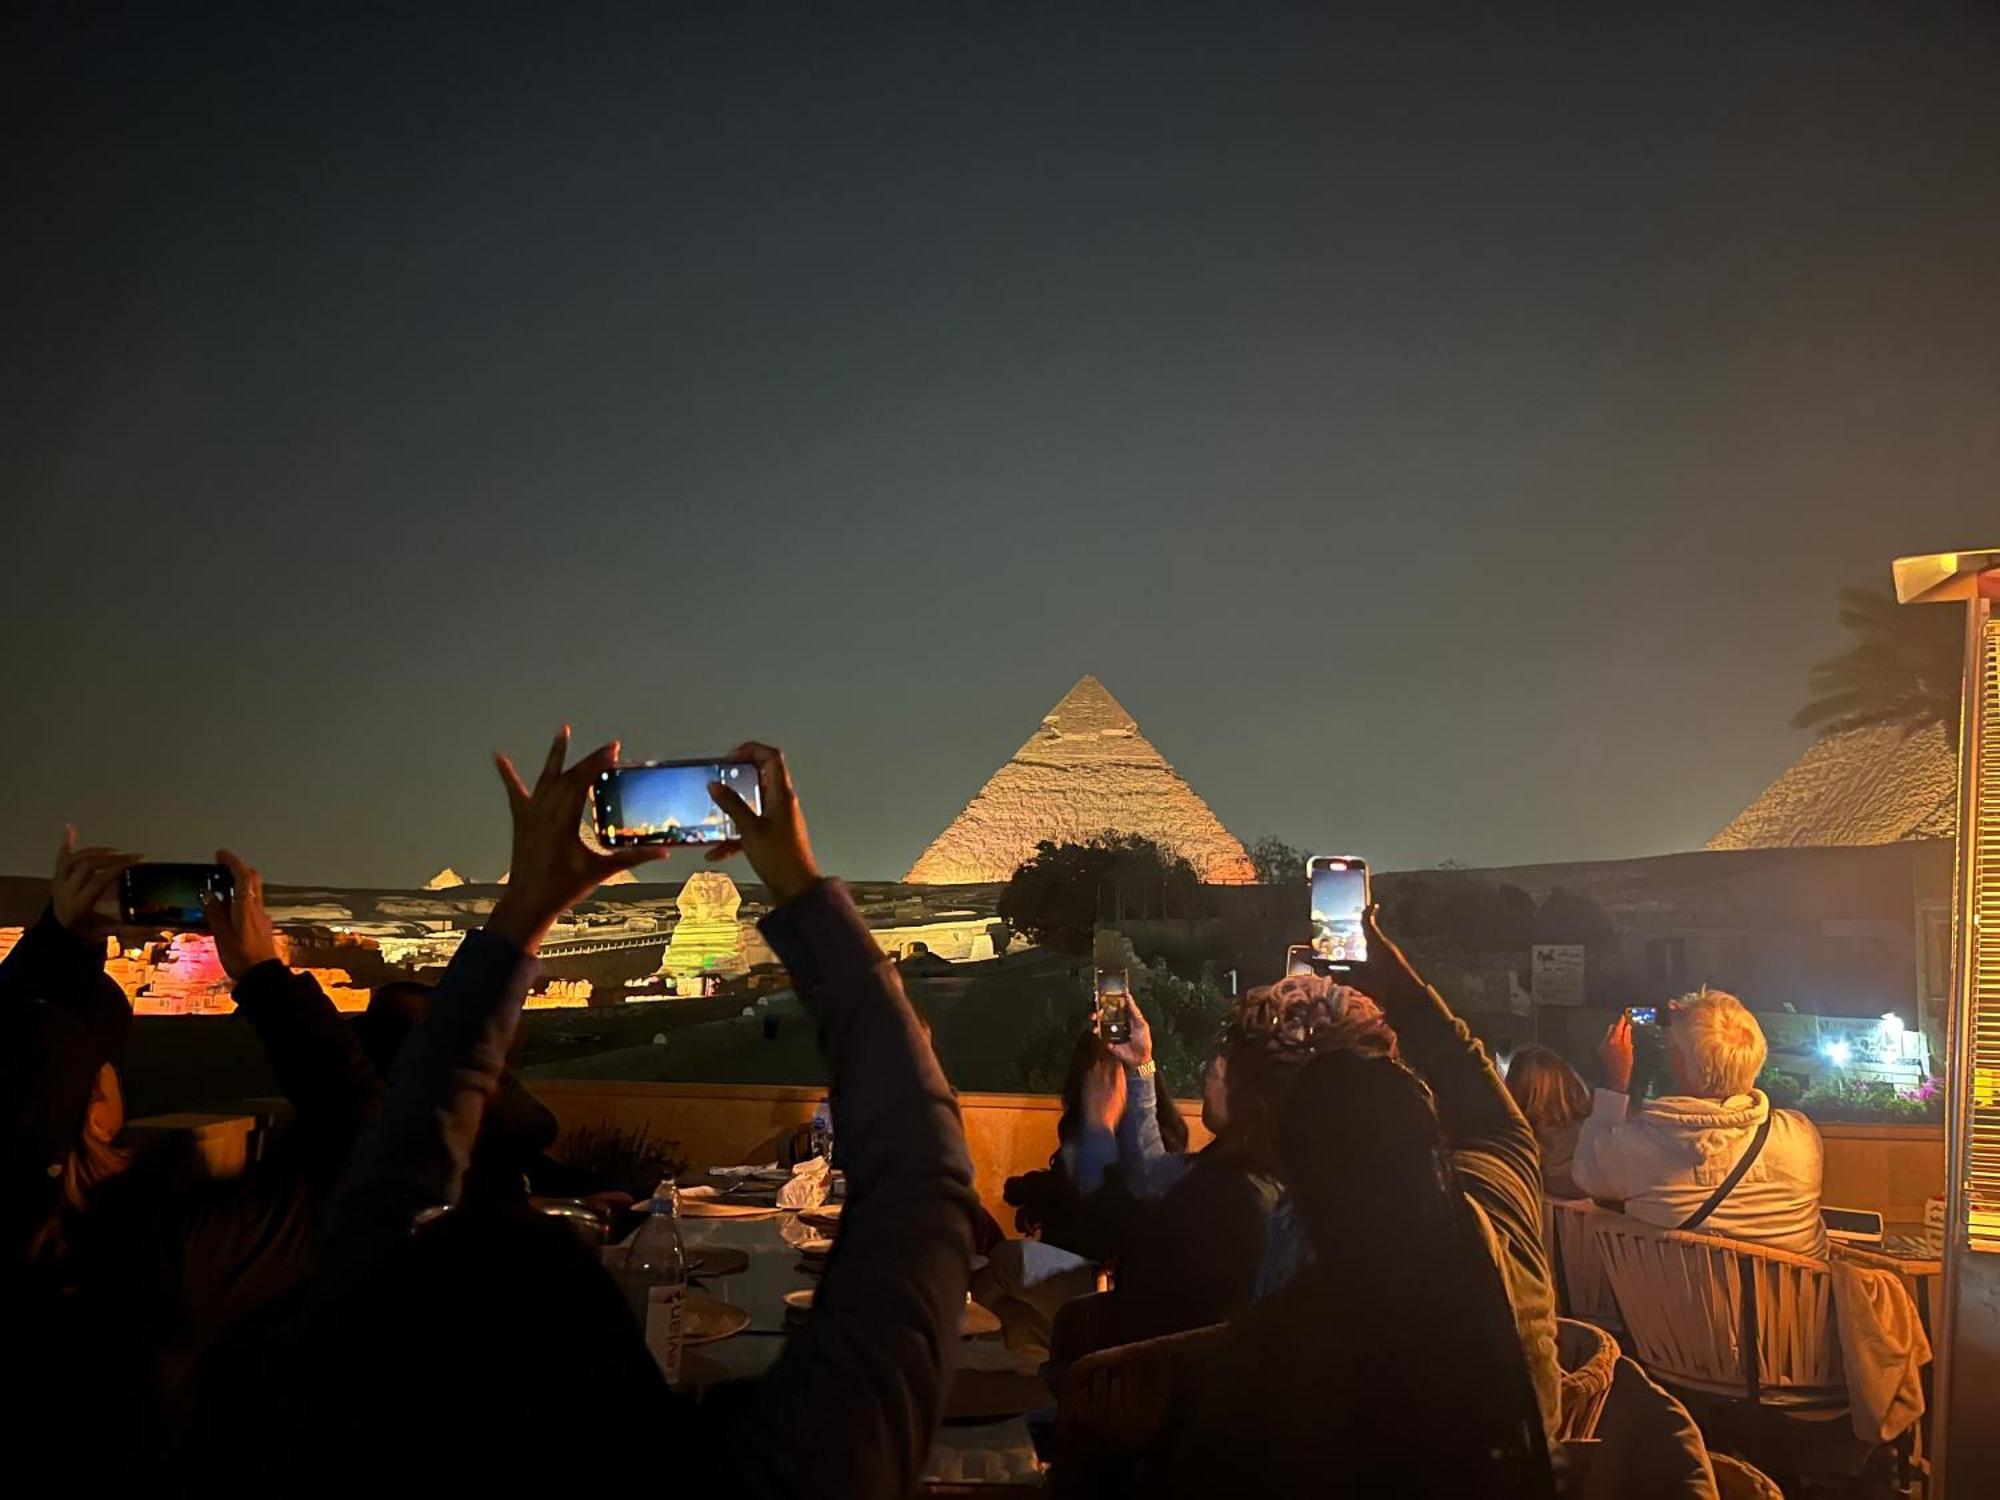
(1197, 1237)
(1412, 1350)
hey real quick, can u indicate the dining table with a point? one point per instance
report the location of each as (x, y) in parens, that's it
(984, 1445)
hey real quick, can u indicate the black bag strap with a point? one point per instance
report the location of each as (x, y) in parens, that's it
(1728, 1184)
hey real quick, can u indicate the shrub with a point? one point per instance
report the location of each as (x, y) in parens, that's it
(1872, 1101)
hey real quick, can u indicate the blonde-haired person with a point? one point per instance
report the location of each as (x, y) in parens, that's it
(1556, 1101)
(1668, 1162)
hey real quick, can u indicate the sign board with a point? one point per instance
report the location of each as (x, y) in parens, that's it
(1556, 971)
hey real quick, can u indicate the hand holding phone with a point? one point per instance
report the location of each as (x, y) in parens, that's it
(771, 834)
(552, 868)
(84, 879)
(244, 936)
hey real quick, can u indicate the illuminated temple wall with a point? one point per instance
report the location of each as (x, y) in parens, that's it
(182, 976)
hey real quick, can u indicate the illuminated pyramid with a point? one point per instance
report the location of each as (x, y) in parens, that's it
(1866, 786)
(1086, 771)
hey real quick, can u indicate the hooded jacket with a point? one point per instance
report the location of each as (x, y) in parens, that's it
(1664, 1160)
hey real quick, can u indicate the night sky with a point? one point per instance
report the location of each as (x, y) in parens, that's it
(1443, 429)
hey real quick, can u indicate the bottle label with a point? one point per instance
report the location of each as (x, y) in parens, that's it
(665, 1308)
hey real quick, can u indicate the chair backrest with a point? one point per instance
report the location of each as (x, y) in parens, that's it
(1581, 1290)
(1589, 1358)
(1115, 1401)
(1737, 1480)
(1081, 1326)
(1723, 1316)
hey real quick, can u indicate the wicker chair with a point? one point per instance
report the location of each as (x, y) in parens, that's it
(1581, 1290)
(1745, 1334)
(1589, 1357)
(1111, 1404)
(1724, 1317)
(1737, 1480)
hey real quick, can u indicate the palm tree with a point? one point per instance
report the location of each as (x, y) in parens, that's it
(1904, 669)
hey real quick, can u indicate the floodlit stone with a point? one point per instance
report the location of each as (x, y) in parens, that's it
(1868, 786)
(1087, 770)
(444, 880)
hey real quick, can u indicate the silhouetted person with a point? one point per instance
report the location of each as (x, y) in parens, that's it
(1391, 1366)
(421, 1325)
(126, 1272)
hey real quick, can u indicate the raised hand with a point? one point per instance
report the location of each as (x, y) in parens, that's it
(84, 877)
(774, 840)
(244, 937)
(552, 867)
(1104, 1094)
(1138, 1050)
(1387, 971)
(1615, 1052)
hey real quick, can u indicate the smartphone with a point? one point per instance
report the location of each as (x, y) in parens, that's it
(170, 895)
(1644, 1015)
(667, 802)
(1114, 1008)
(1338, 886)
(1299, 960)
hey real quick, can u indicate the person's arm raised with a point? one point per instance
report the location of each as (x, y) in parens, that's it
(319, 1061)
(57, 956)
(1473, 1104)
(414, 1152)
(860, 1388)
(1149, 1168)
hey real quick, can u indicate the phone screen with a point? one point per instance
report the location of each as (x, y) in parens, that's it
(1114, 1014)
(1299, 960)
(1339, 896)
(170, 895)
(667, 802)
(1644, 1015)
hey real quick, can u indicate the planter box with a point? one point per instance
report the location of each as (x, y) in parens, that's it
(1889, 1168)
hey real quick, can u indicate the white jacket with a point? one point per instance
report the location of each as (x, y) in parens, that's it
(1665, 1159)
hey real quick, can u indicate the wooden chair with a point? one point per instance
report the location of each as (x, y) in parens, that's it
(1589, 1358)
(1581, 1290)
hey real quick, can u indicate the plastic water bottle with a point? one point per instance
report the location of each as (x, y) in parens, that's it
(822, 1132)
(655, 1278)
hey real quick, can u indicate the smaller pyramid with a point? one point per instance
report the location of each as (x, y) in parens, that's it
(1867, 786)
(1087, 770)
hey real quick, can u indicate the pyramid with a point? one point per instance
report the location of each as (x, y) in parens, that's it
(1867, 786)
(1086, 771)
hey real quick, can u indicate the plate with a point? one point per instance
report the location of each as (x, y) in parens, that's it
(708, 1208)
(705, 1320)
(978, 1321)
(826, 1216)
(716, 1260)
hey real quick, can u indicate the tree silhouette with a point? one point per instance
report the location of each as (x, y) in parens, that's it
(1904, 669)
(1058, 897)
(1277, 862)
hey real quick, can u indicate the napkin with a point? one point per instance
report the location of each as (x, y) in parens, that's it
(811, 1181)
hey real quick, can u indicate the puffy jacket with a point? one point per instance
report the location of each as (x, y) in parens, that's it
(1663, 1161)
